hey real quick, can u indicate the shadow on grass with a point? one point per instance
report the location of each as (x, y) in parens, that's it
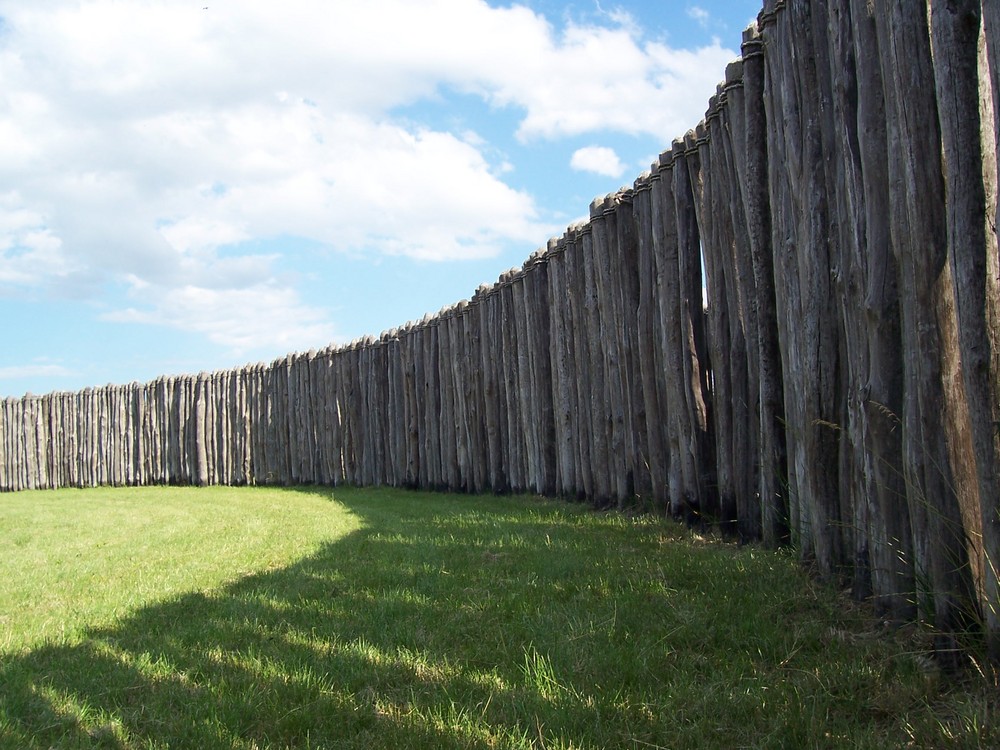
(432, 626)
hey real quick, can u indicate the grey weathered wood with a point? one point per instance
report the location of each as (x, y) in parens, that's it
(716, 251)
(199, 428)
(607, 330)
(511, 424)
(666, 265)
(492, 396)
(563, 390)
(584, 444)
(625, 278)
(526, 431)
(598, 407)
(539, 325)
(460, 424)
(430, 405)
(810, 363)
(956, 34)
(991, 111)
(627, 275)
(772, 460)
(452, 433)
(918, 231)
(649, 344)
(479, 407)
(745, 324)
(695, 437)
(884, 555)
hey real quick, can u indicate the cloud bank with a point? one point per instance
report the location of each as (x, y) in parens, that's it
(152, 146)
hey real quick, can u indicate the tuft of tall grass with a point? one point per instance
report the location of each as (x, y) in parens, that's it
(318, 618)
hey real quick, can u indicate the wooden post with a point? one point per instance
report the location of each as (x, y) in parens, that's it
(919, 235)
(459, 470)
(505, 342)
(867, 284)
(474, 377)
(432, 403)
(492, 396)
(394, 410)
(772, 459)
(563, 384)
(408, 424)
(625, 274)
(956, 30)
(599, 410)
(693, 356)
(649, 343)
(447, 426)
(606, 328)
(538, 322)
(666, 269)
(526, 431)
(745, 324)
(715, 254)
(200, 474)
(577, 317)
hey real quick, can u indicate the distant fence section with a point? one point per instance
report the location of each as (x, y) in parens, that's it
(840, 389)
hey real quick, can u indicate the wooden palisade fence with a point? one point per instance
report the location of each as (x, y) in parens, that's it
(839, 389)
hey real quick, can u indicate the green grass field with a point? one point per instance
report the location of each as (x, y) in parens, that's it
(318, 618)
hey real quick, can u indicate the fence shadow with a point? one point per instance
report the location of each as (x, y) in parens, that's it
(357, 645)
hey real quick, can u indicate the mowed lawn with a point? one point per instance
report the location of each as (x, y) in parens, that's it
(319, 618)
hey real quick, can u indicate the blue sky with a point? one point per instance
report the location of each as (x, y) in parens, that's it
(187, 188)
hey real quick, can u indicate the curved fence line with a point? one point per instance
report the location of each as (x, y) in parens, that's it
(840, 390)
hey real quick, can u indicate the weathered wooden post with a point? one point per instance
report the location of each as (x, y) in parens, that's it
(584, 443)
(255, 423)
(867, 285)
(712, 230)
(649, 341)
(745, 325)
(200, 473)
(692, 354)
(919, 236)
(626, 276)
(956, 28)
(491, 365)
(447, 420)
(334, 416)
(526, 431)
(428, 397)
(561, 363)
(771, 457)
(470, 378)
(598, 407)
(991, 505)
(506, 341)
(538, 322)
(410, 416)
(5, 447)
(394, 410)
(609, 361)
(459, 345)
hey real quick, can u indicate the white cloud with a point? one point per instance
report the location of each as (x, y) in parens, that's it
(600, 78)
(149, 139)
(17, 372)
(700, 15)
(261, 316)
(598, 159)
(30, 255)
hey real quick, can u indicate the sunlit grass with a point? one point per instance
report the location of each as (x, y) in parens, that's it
(75, 559)
(267, 618)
